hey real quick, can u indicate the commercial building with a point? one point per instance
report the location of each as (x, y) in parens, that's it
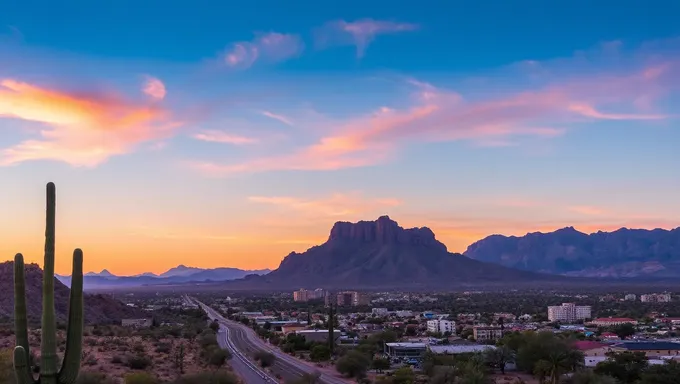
(569, 312)
(441, 326)
(630, 297)
(303, 295)
(137, 323)
(380, 311)
(656, 298)
(318, 335)
(405, 350)
(487, 333)
(612, 321)
(351, 299)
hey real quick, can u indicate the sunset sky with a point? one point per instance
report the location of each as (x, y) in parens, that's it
(232, 133)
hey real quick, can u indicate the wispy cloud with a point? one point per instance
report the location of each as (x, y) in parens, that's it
(154, 88)
(440, 115)
(271, 47)
(339, 204)
(359, 33)
(223, 137)
(80, 129)
(278, 117)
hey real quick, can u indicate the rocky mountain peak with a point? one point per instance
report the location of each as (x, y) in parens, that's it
(383, 231)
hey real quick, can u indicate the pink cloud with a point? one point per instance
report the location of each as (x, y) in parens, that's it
(154, 88)
(336, 205)
(223, 137)
(279, 117)
(359, 33)
(272, 47)
(588, 210)
(79, 130)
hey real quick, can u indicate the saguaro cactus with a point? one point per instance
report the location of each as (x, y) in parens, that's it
(49, 374)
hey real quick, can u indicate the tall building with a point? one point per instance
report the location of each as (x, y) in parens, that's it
(569, 313)
(630, 297)
(656, 298)
(305, 295)
(351, 298)
(441, 326)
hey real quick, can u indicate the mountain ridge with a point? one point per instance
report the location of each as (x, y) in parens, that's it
(623, 253)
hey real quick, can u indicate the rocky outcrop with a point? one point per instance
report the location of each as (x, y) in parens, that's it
(383, 231)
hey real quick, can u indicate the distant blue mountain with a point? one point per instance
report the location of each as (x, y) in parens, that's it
(177, 275)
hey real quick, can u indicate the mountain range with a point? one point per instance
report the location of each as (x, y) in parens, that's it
(100, 309)
(624, 253)
(381, 254)
(177, 275)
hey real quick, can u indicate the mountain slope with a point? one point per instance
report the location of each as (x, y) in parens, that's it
(622, 253)
(382, 254)
(177, 275)
(98, 309)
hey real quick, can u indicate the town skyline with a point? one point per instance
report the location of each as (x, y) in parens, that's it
(235, 143)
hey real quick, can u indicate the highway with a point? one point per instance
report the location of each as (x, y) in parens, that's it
(250, 372)
(244, 340)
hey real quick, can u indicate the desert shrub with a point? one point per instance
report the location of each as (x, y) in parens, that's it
(163, 348)
(207, 377)
(117, 359)
(94, 378)
(138, 362)
(139, 348)
(90, 360)
(140, 378)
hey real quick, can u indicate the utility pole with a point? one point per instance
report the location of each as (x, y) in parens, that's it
(331, 334)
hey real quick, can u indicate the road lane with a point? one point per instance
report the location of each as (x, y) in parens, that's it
(246, 369)
(246, 335)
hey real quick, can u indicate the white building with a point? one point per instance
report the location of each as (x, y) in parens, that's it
(656, 298)
(630, 297)
(441, 326)
(404, 313)
(380, 311)
(569, 312)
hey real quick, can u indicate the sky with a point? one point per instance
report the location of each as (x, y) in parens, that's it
(233, 133)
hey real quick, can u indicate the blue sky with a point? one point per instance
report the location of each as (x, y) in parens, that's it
(246, 129)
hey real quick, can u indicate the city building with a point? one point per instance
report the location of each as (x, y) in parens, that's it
(487, 333)
(318, 335)
(612, 321)
(569, 312)
(630, 297)
(441, 326)
(303, 295)
(137, 323)
(380, 311)
(351, 299)
(656, 298)
(405, 350)
(404, 313)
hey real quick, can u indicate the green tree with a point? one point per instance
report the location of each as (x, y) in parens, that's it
(668, 373)
(380, 364)
(626, 367)
(625, 330)
(215, 326)
(443, 374)
(499, 357)
(320, 352)
(404, 375)
(265, 358)
(353, 364)
(218, 358)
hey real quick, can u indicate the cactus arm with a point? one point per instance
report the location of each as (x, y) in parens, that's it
(48, 345)
(21, 368)
(20, 317)
(74, 337)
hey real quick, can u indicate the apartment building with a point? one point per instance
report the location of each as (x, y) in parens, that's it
(303, 295)
(656, 298)
(569, 312)
(612, 321)
(441, 326)
(487, 333)
(351, 299)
